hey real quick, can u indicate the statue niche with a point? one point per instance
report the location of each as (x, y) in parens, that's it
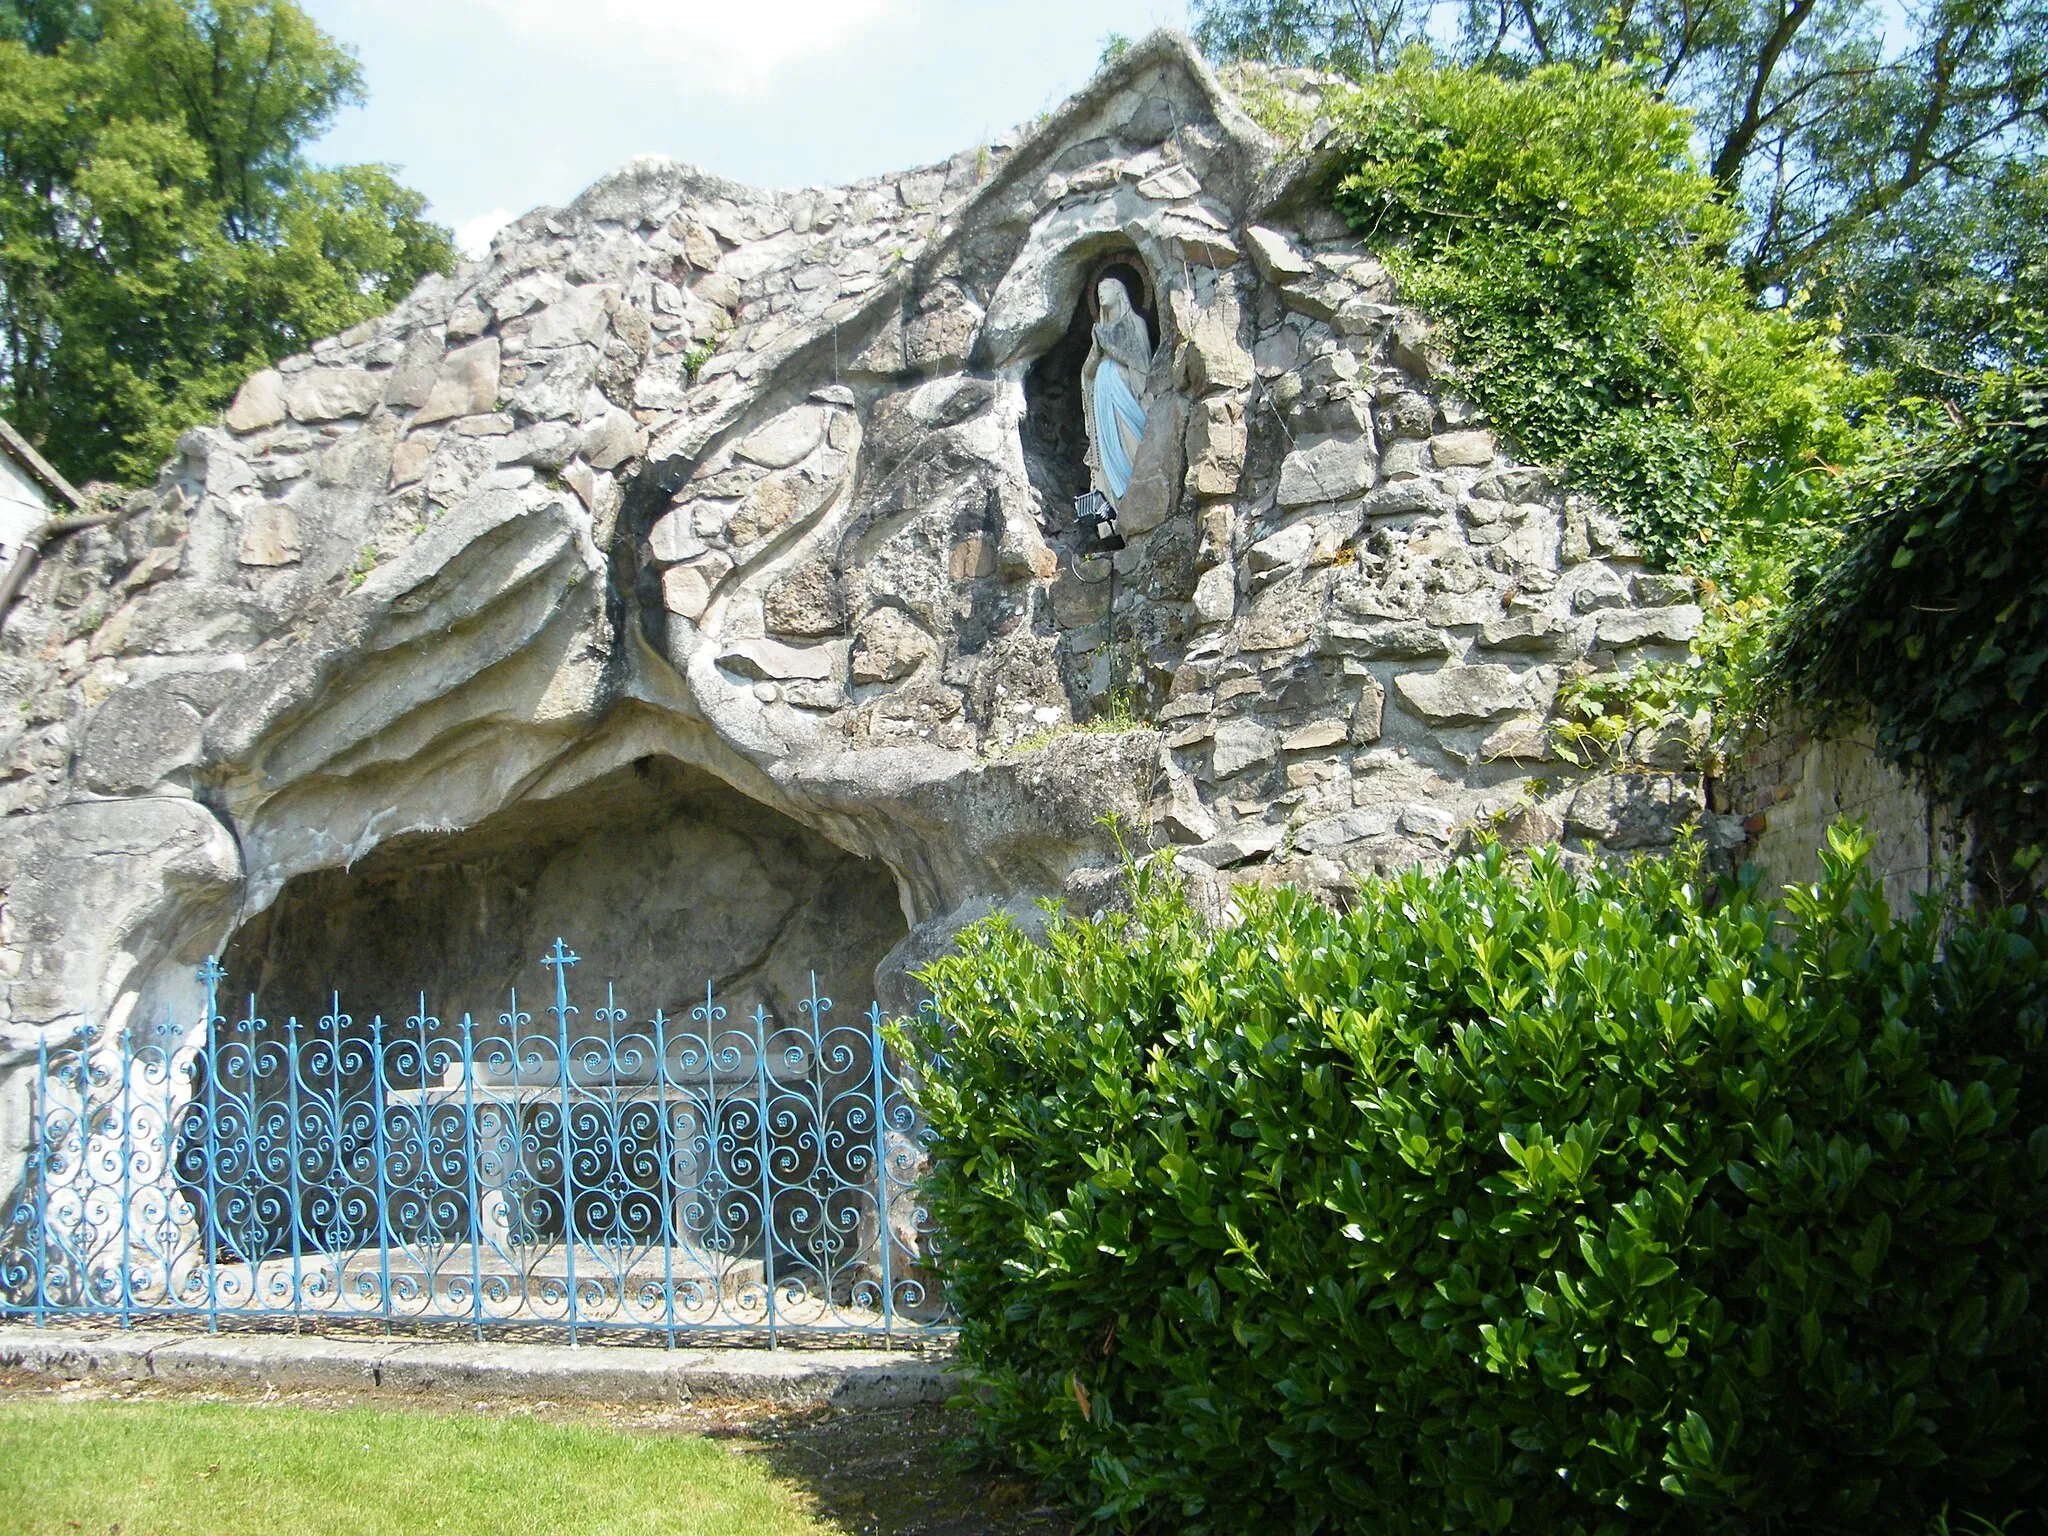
(1113, 383)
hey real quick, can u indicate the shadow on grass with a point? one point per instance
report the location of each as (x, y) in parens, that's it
(896, 1472)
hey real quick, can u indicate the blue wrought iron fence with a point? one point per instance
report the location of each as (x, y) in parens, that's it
(607, 1176)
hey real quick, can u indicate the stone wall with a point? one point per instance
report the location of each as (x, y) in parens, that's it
(771, 486)
(1788, 788)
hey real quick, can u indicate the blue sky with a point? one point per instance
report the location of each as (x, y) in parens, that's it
(492, 107)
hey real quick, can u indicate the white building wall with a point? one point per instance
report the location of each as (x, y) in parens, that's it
(23, 504)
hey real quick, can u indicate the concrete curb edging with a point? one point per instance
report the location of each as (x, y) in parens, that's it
(843, 1378)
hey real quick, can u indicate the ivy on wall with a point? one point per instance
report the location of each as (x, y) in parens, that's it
(1574, 258)
(1932, 620)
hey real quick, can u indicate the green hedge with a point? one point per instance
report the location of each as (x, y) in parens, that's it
(1511, 1200)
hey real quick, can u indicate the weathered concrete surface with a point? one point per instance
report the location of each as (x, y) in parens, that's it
(845, 1378)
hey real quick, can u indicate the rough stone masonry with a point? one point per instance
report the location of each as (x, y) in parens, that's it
(773, 490)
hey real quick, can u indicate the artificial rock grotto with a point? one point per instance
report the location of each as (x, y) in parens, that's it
(697, 577)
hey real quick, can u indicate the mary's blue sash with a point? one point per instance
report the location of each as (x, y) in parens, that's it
(1115, 408)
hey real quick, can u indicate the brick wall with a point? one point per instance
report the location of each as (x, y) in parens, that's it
(1790, 786)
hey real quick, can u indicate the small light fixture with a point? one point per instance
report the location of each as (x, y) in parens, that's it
(1095, 522)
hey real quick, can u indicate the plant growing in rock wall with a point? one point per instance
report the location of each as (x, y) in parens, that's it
(1508, 1200)
(1933, 621)
(1558, 228)
(1599, 715)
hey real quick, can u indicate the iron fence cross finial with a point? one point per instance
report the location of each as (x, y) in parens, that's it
(211, 975)
(558, 960)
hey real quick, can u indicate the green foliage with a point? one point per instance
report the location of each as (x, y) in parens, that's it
(1596, 713)
(1854, 136)
(1953, 282)
(1351, 37)
(1114, 46)
(1512, 1199)
(1558, 227)
(1933, 621)
(161, 234)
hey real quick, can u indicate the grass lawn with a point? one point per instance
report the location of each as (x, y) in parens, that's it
(235, 1469)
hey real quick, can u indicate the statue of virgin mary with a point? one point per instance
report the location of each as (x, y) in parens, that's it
(1110, 380)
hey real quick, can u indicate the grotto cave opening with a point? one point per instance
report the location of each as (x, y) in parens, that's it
(734, 941)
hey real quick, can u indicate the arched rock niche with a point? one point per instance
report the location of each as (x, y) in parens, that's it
(661, 877)
(1055, 431)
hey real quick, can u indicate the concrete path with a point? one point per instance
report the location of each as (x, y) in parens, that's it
(593, 1373)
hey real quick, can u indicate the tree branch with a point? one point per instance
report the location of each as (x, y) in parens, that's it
(1727, 166)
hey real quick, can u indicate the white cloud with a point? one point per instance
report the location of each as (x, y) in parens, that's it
(473, 238)
(731, 46)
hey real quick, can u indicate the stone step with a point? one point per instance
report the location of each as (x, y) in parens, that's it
(845, 1378)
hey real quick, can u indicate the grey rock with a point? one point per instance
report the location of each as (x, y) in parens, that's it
(1526, 630)
(942, 339)
(1524, 739)
(1216, 447)
(674, 538)
(772, 661)
(1170, 185)
(1288, 547)
(1633, 810)
(1410, 498)
(259, 403)
(1330, 470)
(1278, 259)
(548, 445)
(1213, 359)
(1240, 845)
(610, 440)
(1594, 587)
(889, 646)
(140, 736)
(810, 600)
(1335, 832)
(467, 384)
(331, 394)
(1648, 626)
(1512, 485)
(1367, 715)
(1456, 450)
(1428, 821)
(1654, 589)
(790, 437)
(1185, 818)
(1216, 595)
(1457, 695)
(686, 589)
(1242, 744)
(271, 536)
(1385, 641)
(1310, 738)
(1411, 348)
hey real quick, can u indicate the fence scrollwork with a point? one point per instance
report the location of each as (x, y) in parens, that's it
(600, 1175)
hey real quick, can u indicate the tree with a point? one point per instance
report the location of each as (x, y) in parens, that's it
(1847, 131)
(1351, 37)
(161, 232)
(45, 25)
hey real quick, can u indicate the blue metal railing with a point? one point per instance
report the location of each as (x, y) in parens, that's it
(603, 1178)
